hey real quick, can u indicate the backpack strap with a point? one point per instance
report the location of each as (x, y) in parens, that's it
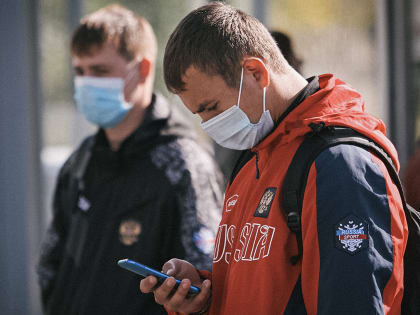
(297, 174)
(78, 224)
(77, 169)
(243, 158)
(294, 187)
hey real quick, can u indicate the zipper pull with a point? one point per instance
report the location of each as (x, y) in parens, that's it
(316, 128)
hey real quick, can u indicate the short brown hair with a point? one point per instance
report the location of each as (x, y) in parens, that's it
(214, 38)
(131, 34)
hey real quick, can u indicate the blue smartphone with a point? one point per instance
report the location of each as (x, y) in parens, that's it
(145, 271)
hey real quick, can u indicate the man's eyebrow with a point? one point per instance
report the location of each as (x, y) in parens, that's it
(202, 106)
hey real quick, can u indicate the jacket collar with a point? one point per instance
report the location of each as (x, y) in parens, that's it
(161, 123)
(335, 104)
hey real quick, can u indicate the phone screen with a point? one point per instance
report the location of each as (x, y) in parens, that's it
(145, 271)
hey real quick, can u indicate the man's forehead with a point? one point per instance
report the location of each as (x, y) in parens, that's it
(194, 93)
(87, 51)
(189, 77)
(100, 55)
(202, 90)
(197, 80)
(96, 49)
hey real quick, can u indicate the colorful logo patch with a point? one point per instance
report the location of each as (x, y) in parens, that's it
(129, 232)
(351, 235)
(264, 206)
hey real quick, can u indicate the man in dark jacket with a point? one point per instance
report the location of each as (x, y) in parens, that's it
(140, 188)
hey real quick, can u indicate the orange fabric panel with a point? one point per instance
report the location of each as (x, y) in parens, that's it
(393, 291)
(311, 260)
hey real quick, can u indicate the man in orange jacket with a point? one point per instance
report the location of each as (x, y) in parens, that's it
(226, 68)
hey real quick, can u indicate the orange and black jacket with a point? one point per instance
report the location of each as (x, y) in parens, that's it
(353, 224)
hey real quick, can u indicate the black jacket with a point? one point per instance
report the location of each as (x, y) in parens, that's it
(156, 198)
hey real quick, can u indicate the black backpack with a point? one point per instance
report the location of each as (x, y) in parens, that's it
(294, 186)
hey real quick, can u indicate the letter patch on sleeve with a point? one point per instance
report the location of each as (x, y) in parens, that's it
(351, 234)
(264, 206)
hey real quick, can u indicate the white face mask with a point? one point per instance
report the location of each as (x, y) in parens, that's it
(232, 128)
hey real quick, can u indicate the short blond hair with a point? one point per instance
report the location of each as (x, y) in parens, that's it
(132, 35)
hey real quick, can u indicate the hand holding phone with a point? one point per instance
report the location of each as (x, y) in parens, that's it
(145, 271)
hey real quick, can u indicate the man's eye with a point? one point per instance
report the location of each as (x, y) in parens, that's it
(210, 108)
(78, 71)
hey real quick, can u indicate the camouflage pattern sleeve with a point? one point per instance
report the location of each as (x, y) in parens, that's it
(198, 181)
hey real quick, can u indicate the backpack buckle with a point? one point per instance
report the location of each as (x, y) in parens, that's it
(293, 222)
(317, 128)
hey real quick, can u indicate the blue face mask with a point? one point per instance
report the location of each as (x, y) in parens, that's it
(101, 100)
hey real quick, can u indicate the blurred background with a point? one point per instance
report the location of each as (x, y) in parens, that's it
(372, 45)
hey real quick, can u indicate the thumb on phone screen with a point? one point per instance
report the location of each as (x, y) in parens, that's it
(181, 269)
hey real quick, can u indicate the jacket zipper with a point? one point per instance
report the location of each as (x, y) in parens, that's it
(256, 165)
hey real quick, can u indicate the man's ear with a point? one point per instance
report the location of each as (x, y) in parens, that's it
(144, 68)
(141, 71)
(258, 70)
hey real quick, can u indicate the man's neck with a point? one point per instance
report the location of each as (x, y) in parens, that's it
(130, 123)
(284, 90)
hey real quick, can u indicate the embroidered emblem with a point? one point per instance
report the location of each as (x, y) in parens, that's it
(83, 203)
(231, 202)
(129, 232)
(351, 235)
(264, 206)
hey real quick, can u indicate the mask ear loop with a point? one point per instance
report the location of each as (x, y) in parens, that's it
(240, 85)
(265, 88)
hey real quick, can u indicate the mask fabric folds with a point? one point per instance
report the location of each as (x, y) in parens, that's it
(232, 128)
(101, 100)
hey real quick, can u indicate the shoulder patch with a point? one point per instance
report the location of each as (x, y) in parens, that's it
(351, 234)
(266, 201)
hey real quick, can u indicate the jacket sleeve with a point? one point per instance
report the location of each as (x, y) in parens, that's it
(196, 185)
(52, 248)
(200, 201)
(354, 234)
